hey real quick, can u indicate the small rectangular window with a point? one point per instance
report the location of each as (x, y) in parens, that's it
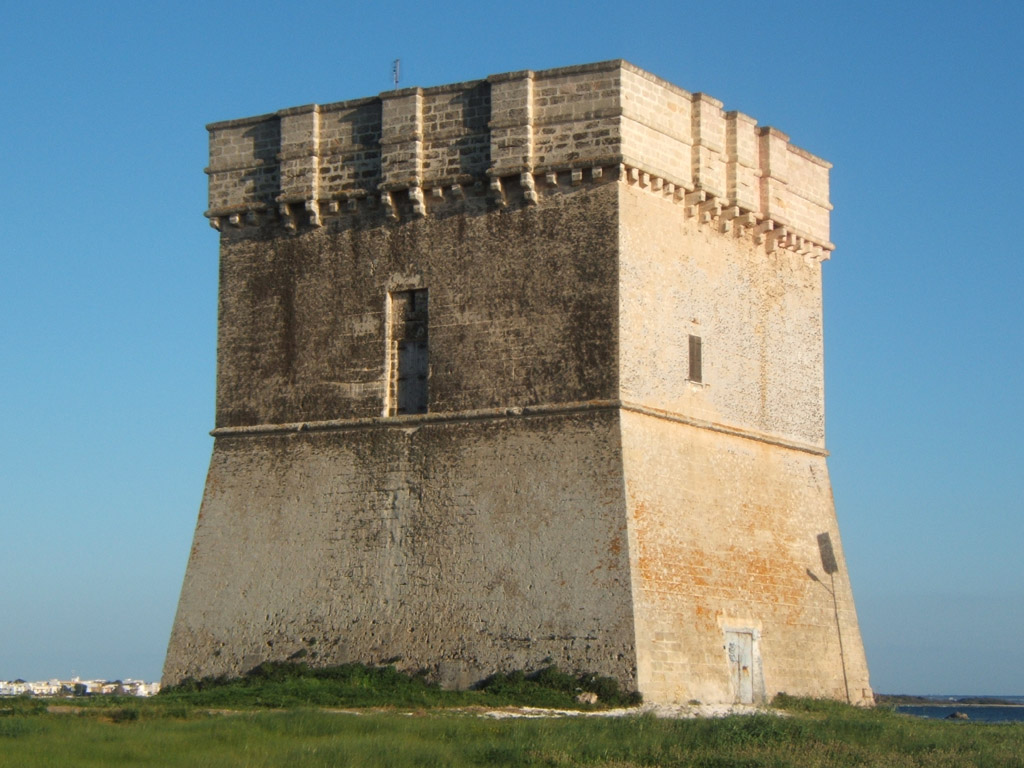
(408, 352)
(696, 373)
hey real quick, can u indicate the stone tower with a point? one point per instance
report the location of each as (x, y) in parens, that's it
(520, 371)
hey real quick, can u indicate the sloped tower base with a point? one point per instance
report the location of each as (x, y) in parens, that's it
(599, 539)
(732, 601)
(461, 547)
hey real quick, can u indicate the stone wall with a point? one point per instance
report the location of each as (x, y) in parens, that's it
(517, 318)
(461, 547)
(724, 535)
(757, 313)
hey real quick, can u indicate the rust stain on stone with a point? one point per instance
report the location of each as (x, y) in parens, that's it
(615, 547)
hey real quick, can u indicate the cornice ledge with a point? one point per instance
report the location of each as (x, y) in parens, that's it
(748, 434)
(412, 421)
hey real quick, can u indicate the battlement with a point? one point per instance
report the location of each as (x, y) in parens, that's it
(510, 140)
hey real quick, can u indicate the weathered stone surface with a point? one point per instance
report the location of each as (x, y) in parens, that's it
(606, 293)
(517, 317)
(453, 546)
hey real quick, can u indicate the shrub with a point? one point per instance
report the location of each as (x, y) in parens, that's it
(296, 683)
(550, 686)
(124, 714)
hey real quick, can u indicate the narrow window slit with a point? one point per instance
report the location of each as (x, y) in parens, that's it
(408, 352)
(696, 373)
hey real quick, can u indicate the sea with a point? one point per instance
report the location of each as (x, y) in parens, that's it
(981, 709)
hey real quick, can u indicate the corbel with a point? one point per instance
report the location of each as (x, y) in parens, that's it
(596, 172)
(388, 203)
(215, 222)
(288, 215)
(709, 209)
(634, 175)
(577, 176)
(252, 218)
(458, 192)
(419, 205)
(745, 221)
(761, 231)
(529, 186)
(551, 178)
(437, 193)
(657, 183)
(726, 218)
(692, 199)
(791, 242)
(775, 238)
(313, 208)
(498, 192)
(235, 219)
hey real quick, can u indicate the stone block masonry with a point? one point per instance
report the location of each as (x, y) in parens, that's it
(518, 371)
(519, 129)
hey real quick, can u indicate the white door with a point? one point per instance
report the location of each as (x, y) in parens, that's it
(740, 646)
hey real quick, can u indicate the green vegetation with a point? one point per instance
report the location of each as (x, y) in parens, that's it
(231, 723)
(290, 684)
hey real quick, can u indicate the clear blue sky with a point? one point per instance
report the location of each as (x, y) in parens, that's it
(108, 274)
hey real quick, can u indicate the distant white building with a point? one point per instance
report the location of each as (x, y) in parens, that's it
(56, 687)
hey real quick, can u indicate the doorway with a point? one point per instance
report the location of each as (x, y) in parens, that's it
(744, 665)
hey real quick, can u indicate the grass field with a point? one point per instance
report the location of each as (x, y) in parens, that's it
(183, 728)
